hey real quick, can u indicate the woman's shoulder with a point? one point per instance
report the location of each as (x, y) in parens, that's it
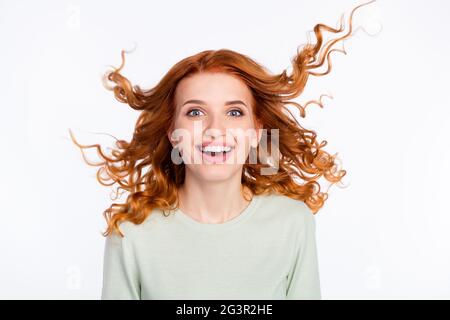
(293, 210)
(154, 220)
(284, 202)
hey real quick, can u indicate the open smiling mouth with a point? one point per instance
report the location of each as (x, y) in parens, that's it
(216, 155)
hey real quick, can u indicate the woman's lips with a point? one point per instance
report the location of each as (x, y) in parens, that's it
(214, 144)
(219, 157)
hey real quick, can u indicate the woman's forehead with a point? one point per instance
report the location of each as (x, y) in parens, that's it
(212, 88)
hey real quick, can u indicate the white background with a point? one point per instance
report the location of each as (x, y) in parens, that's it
(385, 236)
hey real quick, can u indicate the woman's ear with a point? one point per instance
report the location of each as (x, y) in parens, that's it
(169, 136)
(257, 138)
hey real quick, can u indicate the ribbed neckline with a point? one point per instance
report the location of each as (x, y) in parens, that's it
(214, 227)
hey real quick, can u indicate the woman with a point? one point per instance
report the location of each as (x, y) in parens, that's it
(205, 220)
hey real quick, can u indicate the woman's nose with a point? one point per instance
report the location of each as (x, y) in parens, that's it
(215, 124)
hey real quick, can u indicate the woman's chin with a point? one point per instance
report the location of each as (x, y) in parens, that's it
(216, 172)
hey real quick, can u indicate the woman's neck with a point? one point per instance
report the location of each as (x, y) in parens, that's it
(213, 201)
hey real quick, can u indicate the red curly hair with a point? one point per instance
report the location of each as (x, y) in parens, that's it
(143, 166)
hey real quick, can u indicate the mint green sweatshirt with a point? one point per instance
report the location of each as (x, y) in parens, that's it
(266, 252)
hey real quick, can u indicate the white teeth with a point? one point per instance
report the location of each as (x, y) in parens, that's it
(216, 149)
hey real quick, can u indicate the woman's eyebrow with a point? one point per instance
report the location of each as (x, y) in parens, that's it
(226, 103)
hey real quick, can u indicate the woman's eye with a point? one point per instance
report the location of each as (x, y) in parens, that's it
(189, 113)
(197, 112)
(240, 114)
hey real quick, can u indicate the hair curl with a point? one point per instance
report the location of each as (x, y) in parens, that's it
(143, 166)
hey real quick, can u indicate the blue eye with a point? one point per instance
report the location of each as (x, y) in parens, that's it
(189, 112)
(240, 111)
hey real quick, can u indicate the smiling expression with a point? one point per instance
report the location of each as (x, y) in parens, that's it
(214, 124)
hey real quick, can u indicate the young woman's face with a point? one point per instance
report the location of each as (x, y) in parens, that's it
(214, 125)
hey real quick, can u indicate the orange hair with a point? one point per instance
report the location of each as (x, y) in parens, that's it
(143, 166)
